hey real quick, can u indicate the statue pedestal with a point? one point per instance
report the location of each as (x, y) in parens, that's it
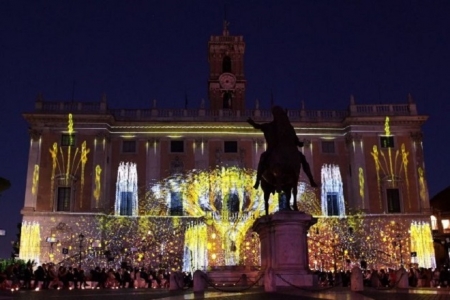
(284, 249)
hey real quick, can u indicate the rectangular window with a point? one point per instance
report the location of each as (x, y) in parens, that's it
(393, 200)
(230, 147)
(129, 146)
(446, 225)
(328, 147)
(434, 223)
(332, 204)
(68, 140)
(176, 146)
(63, 200)
(387, 142)
(126, 203)
(176, 204)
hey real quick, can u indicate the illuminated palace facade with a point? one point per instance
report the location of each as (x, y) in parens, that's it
(173, 188)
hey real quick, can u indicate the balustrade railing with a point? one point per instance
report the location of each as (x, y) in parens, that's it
(224, 114)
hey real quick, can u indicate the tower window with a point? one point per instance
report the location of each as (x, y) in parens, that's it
(226, 64)
(176, 146)
(230, 147)
(328, 147)
(129, 146)
(387, 142)
(67, 140)
(393, 200)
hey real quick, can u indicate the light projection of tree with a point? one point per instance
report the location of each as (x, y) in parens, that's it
(224, 200)
(338, 243)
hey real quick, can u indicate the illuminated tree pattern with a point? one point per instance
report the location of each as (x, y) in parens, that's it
(224, 199)
(381, 243)
(30, 241)
(422, 244)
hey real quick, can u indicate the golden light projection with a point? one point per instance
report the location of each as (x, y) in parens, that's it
(422, 184)
(422, 244)
(405, 161)
(390, 168)
(197, 247)
(333, 242)
(223, 197)
(66, 166)
(376, 159)
(98, 184)
(30, 241)
(361, 182)
(84, 152)
(70, 132)
(387, 127)
(144, 241)
(35, 179)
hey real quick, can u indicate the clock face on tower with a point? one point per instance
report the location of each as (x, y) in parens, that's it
(227, 81)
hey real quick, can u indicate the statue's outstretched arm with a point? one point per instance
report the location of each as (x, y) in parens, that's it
(253, 123)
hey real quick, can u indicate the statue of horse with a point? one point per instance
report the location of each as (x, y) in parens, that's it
(282, 175)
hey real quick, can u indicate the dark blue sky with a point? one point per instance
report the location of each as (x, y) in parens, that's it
(319, 52)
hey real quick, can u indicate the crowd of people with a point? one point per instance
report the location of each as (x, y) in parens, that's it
(51, 276)
(385, 278)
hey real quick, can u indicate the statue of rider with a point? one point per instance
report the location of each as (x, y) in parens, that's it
(279, 133)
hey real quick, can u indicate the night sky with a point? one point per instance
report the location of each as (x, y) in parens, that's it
(319, 52)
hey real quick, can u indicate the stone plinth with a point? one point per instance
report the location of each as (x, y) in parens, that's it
(238, 275)
(284, 249)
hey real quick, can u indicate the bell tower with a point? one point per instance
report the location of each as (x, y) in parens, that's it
(226, 82)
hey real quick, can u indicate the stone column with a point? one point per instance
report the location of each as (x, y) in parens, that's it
(284, 249)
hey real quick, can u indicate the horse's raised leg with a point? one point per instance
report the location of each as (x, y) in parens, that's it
(294, 195)
(266, 202)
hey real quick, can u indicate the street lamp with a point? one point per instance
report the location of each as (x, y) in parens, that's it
(80, 239)
(399, 244)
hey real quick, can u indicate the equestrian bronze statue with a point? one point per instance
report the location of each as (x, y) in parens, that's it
(279, 166)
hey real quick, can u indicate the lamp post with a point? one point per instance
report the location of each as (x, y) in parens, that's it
(399, 244)
(80, 239)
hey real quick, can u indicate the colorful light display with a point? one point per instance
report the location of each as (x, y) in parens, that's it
(218, 209)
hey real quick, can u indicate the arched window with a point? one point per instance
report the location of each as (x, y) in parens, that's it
(226, 64)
